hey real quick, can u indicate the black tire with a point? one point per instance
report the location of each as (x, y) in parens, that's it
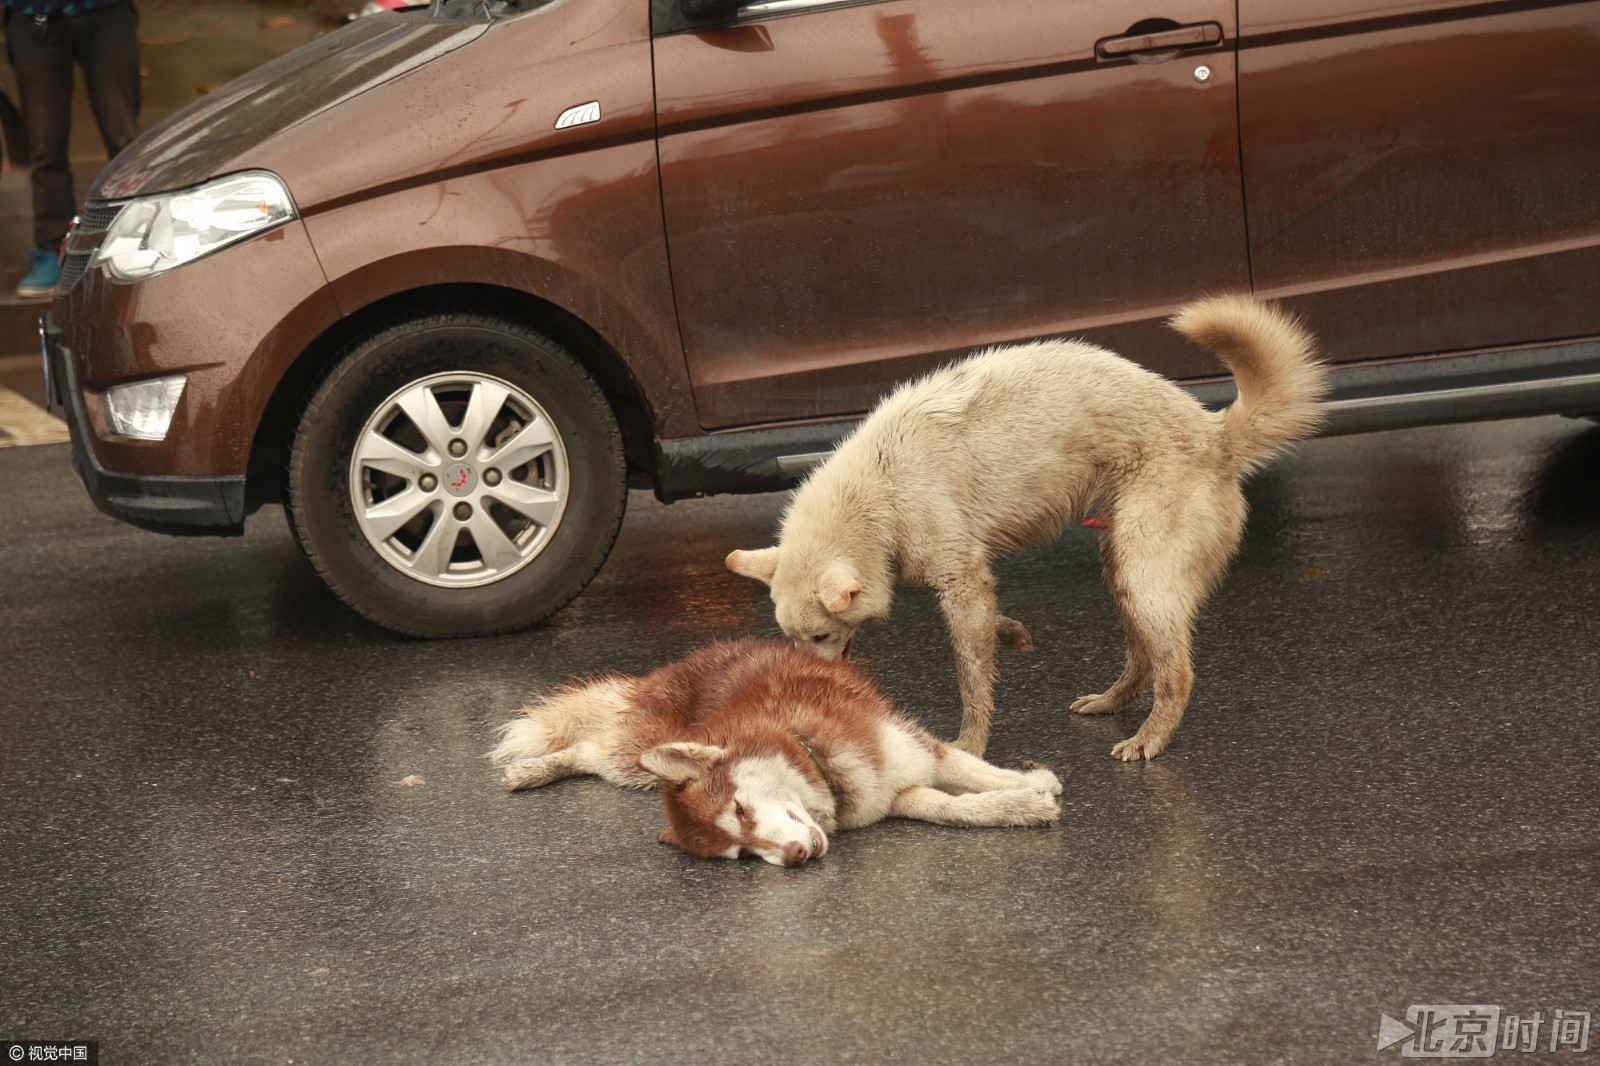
(413, 355)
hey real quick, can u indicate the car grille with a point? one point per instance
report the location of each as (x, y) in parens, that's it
(82, 241)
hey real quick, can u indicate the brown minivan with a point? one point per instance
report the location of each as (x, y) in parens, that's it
(447, 282)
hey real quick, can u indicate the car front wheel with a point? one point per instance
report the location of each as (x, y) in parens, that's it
(457, 475)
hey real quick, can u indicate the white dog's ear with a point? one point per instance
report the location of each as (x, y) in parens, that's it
(679, 762)
(760, 564)
(839, 586)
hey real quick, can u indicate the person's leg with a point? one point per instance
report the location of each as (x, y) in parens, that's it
(42, 59)
(106, 43)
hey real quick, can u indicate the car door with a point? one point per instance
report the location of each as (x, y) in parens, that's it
(1421, 175)
(857, 191)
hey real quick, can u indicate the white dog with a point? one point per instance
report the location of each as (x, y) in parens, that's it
(1004, 449)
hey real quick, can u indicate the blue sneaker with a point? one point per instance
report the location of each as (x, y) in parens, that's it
(43, 273)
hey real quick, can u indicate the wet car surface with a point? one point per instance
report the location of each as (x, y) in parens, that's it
(1384, 793)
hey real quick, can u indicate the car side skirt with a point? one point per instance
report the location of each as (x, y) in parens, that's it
(1553, 379)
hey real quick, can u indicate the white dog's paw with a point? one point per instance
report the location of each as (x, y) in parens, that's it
(1041, 778)
(1139, 746)
(1095, 704)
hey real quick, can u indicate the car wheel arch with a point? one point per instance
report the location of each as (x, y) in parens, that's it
(275, 430)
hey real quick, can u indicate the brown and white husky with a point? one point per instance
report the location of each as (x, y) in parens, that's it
(761, 749)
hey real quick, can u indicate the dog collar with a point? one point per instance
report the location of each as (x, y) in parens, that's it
(816, 760)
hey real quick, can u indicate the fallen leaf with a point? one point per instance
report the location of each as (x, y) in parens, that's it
(277, 22)
(202, 88)
(1312, 571)
(321, 971)
(412, 781)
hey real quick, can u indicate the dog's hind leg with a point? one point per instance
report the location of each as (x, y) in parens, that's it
(543, 769)
(968, 603)
(1166, 568)
(572, 731)
(1174, 678)
(536, 752)
(596, 757)
(1012, 806)
(959, 772)
(1136, 668)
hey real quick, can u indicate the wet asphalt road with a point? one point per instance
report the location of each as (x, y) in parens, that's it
(1385, 793)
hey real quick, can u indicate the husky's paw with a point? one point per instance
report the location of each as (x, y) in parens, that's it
(529, 773)
(1027, 806)
(1139, 746)
(1098, 703)
(1040, 778)
(1013, 634)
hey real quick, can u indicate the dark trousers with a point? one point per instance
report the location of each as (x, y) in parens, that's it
(105, 42)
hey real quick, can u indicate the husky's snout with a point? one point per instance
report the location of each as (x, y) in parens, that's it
(795, 840)
(795, 852)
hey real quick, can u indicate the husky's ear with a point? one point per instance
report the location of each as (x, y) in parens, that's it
(679, 762)
(838, 587)
(667, 836)
(761, 564)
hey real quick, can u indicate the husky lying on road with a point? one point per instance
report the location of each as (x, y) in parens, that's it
(760, 749)
(1002, 450)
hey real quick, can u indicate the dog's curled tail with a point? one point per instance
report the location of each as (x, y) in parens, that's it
(1274, 364)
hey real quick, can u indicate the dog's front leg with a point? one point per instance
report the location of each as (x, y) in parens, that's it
(1012, 806)
(969, 610)
(957, 772)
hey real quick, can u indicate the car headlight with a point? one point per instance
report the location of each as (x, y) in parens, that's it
(153, 234)
(143, 409)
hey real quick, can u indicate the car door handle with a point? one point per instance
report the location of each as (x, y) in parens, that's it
(1162, 40)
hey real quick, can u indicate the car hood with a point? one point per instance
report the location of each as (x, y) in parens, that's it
(207, 137)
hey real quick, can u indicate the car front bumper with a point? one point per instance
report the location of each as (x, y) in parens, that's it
(165, 503)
